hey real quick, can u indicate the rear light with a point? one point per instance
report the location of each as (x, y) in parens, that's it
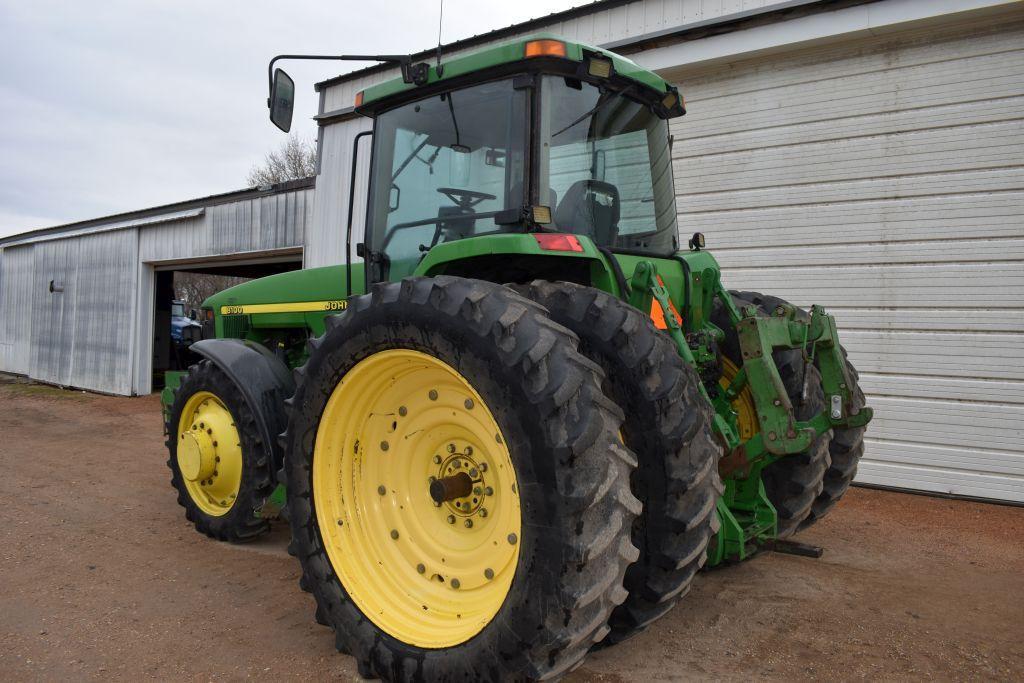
(554, 241)
(209, 313)
(359, 98)
(545, 48)
(599, 68)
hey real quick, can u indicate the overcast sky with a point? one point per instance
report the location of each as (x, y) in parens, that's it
(113, 105)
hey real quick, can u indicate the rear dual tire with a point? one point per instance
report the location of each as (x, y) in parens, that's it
(668, 425)
(560, 435)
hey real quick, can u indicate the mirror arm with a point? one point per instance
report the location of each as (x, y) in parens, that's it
(411, 73)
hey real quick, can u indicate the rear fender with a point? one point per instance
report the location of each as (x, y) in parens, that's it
(518, 257)
(262, 379)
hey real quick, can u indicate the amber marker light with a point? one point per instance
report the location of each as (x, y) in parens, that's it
(545, 48)
(359, 98)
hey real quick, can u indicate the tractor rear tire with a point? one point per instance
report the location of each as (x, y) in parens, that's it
(794, 482)
(847, 444)
(226, 476)
(430, 359)
(668, 426)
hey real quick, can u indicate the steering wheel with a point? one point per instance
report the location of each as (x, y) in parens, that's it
(464, 199)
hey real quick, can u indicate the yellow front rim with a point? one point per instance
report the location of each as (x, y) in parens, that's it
(431, 574)
(746, 413)
(209, 453)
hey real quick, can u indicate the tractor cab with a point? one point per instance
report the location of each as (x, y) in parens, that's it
(540, 135)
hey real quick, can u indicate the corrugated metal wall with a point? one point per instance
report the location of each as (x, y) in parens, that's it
(97, 332)
(16, 305)
(326, 238)
(82, 336)
(885, 180)
(596, 28)
(265, 223)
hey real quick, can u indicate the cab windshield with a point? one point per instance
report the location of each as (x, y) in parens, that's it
(445, 168)
(605, 167)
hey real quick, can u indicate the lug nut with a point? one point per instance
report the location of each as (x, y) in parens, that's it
(473, 473)
(469, 524)
(476, 489)
(469, 404)
(432, 394)
(394, 534)
(469, 450)
(403, 411)
(483, 467)
(489, 573)
(420, 568)
(455, 584)
(437, 459)
(451, 519)
(381, 490)
(451, 448)
(384, 445)
(512, 539)
(483, 512)
(489, 491)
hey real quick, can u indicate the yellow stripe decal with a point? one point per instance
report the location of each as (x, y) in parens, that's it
(296, 307)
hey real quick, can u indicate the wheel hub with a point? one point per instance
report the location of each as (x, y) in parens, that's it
(196, 455)
(465, 483)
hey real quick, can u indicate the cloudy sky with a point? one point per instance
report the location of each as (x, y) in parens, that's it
(113, 105)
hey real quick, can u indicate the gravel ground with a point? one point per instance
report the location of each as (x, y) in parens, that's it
(101, 577)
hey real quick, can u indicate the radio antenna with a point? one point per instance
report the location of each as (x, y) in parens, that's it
(440, 19)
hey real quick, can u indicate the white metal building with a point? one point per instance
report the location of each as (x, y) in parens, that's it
(868, 156)
(60, 321)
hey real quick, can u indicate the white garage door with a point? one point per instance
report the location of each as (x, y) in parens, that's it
(883, 179)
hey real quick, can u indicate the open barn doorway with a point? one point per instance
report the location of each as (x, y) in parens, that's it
(179, 290)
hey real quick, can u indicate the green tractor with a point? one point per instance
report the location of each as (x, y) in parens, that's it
(518, 426)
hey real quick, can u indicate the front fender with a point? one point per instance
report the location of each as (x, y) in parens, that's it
(262, 379)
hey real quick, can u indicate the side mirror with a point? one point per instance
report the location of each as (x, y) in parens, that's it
(282, 100)
(192, 314)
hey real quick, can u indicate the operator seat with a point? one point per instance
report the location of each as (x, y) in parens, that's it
(590, 207)
(456, 222)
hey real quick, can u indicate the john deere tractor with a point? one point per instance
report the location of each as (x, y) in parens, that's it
(520, 422)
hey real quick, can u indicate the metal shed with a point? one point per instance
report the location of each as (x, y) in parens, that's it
(885, 136)
(77, 300)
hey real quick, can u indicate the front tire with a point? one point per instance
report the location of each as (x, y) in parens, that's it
(218, 462)
(437, 365)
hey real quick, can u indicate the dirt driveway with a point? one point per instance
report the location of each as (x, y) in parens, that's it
(101, 577)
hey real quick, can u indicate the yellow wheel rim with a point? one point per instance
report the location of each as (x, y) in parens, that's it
(746, 413)
(209, 453)
(431, 574)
